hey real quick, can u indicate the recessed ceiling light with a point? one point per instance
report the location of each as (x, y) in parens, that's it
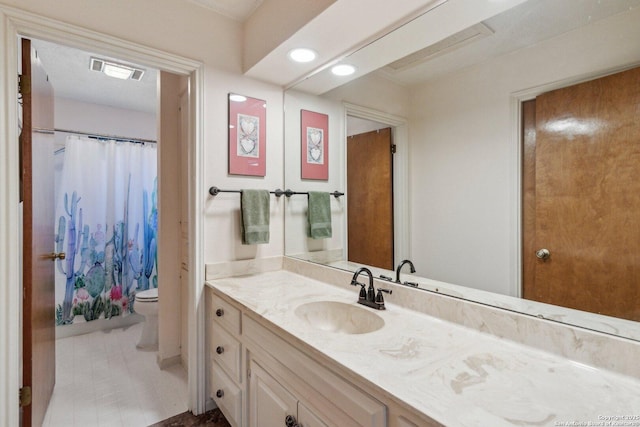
(302, 55)
(113, 69)
(343, 70)
(237, 98)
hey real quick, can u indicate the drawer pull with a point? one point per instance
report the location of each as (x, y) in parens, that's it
(219, 394)
(219, 312)
(219, 349)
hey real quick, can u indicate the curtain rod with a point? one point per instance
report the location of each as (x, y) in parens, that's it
(95, 135)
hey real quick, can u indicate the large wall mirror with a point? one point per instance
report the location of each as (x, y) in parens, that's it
(459, 186)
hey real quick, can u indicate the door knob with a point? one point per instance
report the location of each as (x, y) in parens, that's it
(543, 254)
(55, 255)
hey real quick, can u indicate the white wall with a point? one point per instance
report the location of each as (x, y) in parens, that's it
(101, 119)
(297, 242)
(222, 213)
(464, 158)
(375, 92)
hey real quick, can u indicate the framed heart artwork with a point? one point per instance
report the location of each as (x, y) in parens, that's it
(314, 145)
(247, 135)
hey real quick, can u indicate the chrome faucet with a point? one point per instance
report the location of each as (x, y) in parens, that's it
(369, 297)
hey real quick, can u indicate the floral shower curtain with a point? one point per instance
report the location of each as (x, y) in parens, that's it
(106, 211)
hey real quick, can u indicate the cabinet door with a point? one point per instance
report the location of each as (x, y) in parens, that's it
(306, 418)
(270, 402)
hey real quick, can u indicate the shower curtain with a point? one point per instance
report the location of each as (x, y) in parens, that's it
(106, 223)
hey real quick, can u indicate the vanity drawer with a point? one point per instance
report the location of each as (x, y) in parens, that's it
(227, 395)
(226, 350)
(225, 314)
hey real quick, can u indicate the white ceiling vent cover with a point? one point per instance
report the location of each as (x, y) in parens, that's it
(447, 45)
(98, 64)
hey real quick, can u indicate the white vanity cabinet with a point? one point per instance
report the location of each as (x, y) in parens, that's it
(306, 418)
(225, 356)
(273, 405)
(259, 378)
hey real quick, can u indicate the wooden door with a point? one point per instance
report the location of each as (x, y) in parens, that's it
(370, 198)
(38, 237)
(587, 197)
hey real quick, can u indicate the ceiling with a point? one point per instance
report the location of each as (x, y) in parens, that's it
(238, 10)
(522, 25)
(70, 76)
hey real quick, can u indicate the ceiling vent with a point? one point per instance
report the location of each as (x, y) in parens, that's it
(447, 45)
(96, 64)
(113, 69)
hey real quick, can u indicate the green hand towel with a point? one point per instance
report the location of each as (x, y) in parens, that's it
(254, 209)
(319, 215)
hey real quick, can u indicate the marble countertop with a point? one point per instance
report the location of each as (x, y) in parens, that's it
(452, 374)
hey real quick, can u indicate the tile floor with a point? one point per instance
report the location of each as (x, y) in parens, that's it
(102, 379)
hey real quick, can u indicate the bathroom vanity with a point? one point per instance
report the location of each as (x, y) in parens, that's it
(287, 349)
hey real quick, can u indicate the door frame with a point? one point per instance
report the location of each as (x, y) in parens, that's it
(516, 100)
(401, 200)
(15, 23)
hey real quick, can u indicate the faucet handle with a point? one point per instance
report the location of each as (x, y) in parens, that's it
(363, 292)
(379, 298)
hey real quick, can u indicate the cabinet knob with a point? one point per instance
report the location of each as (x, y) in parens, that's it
(219, 349)
(220, 394)
(290, 421)
(219, 312)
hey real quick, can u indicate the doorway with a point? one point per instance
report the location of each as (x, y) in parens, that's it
(370, 189)
(15, 24)
(96, 247)
(580, 196)
(360, 120)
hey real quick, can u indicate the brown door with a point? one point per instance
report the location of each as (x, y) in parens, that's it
(370, 198)
(587, 197)
(38, 238)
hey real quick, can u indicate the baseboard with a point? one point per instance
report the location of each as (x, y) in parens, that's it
(169, 361)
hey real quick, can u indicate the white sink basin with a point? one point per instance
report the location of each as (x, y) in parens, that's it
(336, 316)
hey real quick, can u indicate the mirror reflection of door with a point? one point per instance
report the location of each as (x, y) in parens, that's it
(370, 198)
(581, 196)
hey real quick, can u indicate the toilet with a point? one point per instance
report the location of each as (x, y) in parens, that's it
(147, 305)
